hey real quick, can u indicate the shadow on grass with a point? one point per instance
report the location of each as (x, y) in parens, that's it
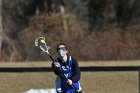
(83, 69)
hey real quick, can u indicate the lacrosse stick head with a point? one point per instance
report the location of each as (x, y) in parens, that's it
(40, 42)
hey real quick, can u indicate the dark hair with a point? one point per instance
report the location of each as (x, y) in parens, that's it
(61, 44)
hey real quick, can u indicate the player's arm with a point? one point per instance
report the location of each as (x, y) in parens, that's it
(76, 70)
(55, 68)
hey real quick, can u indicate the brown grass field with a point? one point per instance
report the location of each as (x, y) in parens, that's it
(91, 81)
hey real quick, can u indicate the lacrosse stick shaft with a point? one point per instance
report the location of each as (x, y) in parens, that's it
(51, 58)
(66, 79)
(62, 75)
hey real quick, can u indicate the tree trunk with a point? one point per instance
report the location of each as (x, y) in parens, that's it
(62, 10)
(1, 27)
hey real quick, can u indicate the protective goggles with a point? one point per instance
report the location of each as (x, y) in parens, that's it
(59, 48)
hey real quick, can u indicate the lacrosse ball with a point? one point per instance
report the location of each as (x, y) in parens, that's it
(42, 41)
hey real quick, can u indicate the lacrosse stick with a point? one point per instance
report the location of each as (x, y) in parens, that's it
(40, 42)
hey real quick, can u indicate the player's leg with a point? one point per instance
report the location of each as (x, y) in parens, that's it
(58, 84)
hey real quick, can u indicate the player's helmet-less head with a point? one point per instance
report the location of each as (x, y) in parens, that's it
(62, 49)
(62, 46)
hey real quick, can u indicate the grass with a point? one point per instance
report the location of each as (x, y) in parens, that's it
(91, 82)
(19, 82)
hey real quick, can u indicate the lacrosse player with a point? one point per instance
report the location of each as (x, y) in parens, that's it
(66, 65)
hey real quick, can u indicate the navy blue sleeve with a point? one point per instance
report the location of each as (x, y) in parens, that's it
(55, 70)
(58, 72)
(76, 71)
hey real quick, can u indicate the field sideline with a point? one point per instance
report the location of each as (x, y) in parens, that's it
(81, 63)
(91, 82)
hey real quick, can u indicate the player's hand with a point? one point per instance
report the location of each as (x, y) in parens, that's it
(56, 64)
(69, 82)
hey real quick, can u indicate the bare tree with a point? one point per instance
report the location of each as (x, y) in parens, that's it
(1, 28)
(60, 7)
(64, 21)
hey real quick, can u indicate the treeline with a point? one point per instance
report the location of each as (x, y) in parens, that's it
(93, 29)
